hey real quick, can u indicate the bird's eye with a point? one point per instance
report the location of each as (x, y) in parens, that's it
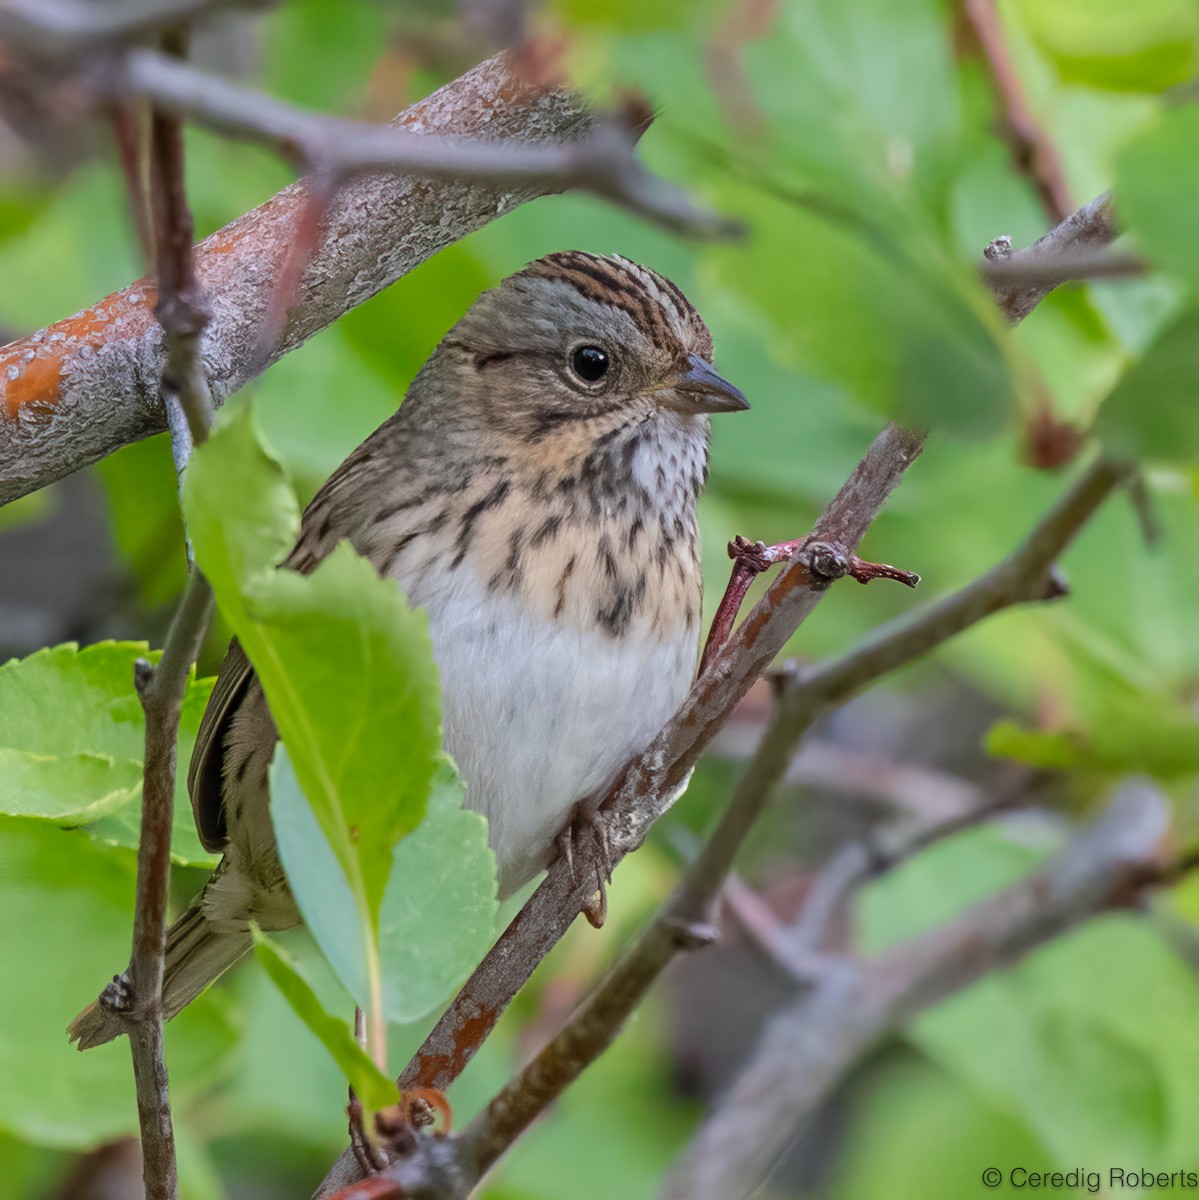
(590, 363)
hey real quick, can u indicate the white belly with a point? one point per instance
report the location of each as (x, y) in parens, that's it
(539, 715)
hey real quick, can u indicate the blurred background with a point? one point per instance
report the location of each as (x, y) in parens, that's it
(872, 148)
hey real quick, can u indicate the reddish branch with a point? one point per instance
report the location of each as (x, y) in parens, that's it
(746, 22)
(126, 130)
(1032, 149)
(750, 559)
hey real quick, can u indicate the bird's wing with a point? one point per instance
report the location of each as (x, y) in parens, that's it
(206, 771)
(327, 519)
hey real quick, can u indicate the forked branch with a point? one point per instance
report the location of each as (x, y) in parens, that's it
(811, 1045)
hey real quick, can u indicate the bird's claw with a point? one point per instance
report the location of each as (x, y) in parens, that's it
(587, 825)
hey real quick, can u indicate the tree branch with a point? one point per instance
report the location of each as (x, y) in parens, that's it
(161, 690)
(687, 919)
(1001, 270)
(810, 1046)
(1033, 150)
(1050, 260)
(57, 27)
(603, 162)
(57, 386)
(182, 314)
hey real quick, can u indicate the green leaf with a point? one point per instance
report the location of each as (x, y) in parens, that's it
(318, 881)
(1111, 44)
(438, 914)
(73, 734)
(241, 512)
(1090, 1040)
(374, 1089)
(320, 62)
(348, 670)
(1157, 173)
(1147, 734)
(69, 789)
(344, 661)
(347, 667)
(64, 700)
(1037, 748)
(1151, 412)
(64, 930)
(918, 1130)
(630, 16)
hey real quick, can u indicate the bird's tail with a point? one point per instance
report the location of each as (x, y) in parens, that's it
(197, 953)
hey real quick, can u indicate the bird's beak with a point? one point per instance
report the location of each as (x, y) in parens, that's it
(697, 388)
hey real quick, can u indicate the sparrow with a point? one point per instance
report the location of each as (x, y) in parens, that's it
(536, 495)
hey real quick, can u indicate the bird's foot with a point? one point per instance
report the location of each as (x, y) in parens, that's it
(585, 837)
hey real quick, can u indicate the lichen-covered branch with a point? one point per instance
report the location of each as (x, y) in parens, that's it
(84, 387)
(69, 26)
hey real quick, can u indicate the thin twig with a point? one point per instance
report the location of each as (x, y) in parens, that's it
(1025, 575)
(182, 315)
(1033, 150)
(1007, 271)
(161, 690)
(878, 853)
(127, 133)
(181, 309)
(771, 935)
(750, 559)
(66, 27)
(1082, 233)
(746, 22)
(320, 191)
(812, 1045)
(603, 162)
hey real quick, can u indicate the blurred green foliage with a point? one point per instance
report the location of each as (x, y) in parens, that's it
(859, 141)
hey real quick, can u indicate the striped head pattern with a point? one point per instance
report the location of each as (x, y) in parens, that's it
(577, 337)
